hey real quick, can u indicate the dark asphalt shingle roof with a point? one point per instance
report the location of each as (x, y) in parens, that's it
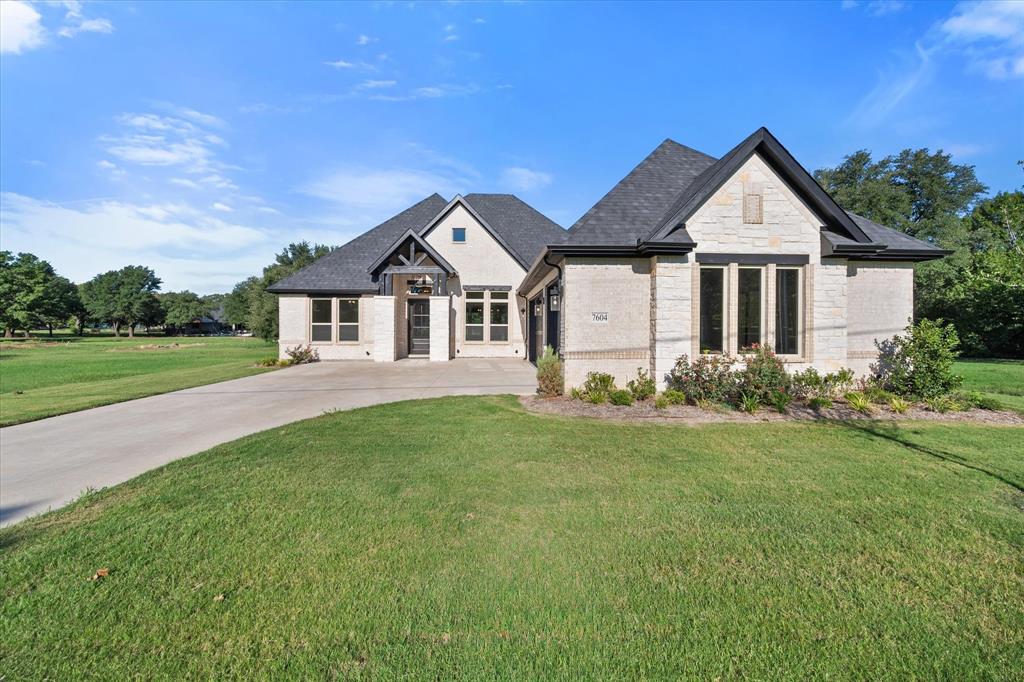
(893, 239)
(524, 230)
(633, 207)
(345, 268)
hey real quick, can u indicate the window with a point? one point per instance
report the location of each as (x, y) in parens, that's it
(752, 208)
(320, 318)
(474, 316)
(712, 309)
(348, 319)
(787, 311)
(499, 316)
(749, 307)
(459, 235)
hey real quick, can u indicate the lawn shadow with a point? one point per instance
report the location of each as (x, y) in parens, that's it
(894, 434)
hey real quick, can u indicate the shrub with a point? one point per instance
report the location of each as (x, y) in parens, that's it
(860, 402)
(576, 394)
(267, 362)
(919, 363)
(899, 405)
(877, 394)
(620, 396)
(301, 355)
(941, 403)
(598, 382)
(550, 381)
(707, 378)
(810, 384)
(749, 402)
(643, 387)
(707, 405)
(820, 402)
(661, 402)
(597, 398)
(763, 374)
(780, 401)
(674, 397)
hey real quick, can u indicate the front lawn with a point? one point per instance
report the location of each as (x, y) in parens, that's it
(43, 377)
(1001, 379)
(465, 538)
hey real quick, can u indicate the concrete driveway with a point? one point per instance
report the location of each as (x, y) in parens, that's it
(47, 463)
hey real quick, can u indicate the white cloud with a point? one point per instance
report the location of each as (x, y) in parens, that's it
(525, 179)
(451, 37)
(848, 4)
(365, 40)
(224, 208)
(186, 247)
(106, 164)
(894, 86)
(20, 27)
(376, 84)
(479, 20)
(86, 26)
(881, 8)
(185, 182)
(991, 35)
(148, 139)
(340, 64)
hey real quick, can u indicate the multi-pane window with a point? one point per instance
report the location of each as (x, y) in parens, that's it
(712, 310)
(474, 316)
(499, 316)
(787, 311)
(348, 319)
(748, 296)
(320, 320)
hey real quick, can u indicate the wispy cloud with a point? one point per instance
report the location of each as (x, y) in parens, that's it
(220, 206)
(21, 27)
(450, 33)
(991, 35)
(376, 84)
(364, 39)
(525, 179)
(149, 139)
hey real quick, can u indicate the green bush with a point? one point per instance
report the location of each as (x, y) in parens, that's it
(763, 374)
(877, 394)
(674, 397)
(941, 403)
(810, 384)
(598, 382)
(644, 386)
(919, 363)
(301, 355)
(708, 378)
(576, 394)
(860, 402)
(597, 398)
(780, 401)
(550, 379)
(749, 402)
(820, 402)
(620, 396)
(899, 405)
(267, 362)
(661, 402)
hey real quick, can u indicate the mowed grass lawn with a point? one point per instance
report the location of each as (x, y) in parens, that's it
(43, 377)
(465, 538)
(1001, 379)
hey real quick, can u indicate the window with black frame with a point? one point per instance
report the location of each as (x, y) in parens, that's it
(712, 310)
(748, 332)
(787, 311)
(320, 320)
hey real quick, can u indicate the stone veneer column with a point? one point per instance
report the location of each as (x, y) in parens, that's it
(671, 281)
(440, 327)
(384, 329)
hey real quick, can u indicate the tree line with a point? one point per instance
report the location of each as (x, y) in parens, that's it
(34, 296)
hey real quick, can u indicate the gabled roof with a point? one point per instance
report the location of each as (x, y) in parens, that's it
(524, 229)
(413, 236)
(344, 270)
(763, 143)
(631, 210)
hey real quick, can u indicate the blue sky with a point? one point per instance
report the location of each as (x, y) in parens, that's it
(199, 139)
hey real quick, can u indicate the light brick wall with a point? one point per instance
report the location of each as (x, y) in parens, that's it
(292, 319)
(384, 347)
(440, 309)
(621, 288)
(828, 315)
(480, 260)
(880, 304)
(671, 301)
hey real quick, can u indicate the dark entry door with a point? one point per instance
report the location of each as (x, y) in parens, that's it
(553, 309)
(419, 327)
(536, 329)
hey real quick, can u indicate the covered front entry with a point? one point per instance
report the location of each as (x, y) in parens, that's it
(419, 327)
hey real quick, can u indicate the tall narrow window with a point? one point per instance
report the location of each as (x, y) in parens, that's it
(787, 311)
(749, 307)
(474, 316)
(320, 320)
(348, 319)
(712, 310)
(499, 316)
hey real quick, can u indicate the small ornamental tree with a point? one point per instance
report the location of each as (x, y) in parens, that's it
(919, 363)
(550, 379)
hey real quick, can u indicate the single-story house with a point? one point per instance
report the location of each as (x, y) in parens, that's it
(687, 254)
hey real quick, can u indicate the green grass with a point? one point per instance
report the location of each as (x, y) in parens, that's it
(43, 377)
(465, 538)
(1001, 379)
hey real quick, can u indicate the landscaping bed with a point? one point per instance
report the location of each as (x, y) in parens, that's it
(691, 414)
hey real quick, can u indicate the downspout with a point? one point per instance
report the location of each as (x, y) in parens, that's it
(561, 299)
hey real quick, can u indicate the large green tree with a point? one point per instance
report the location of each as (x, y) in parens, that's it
(32, 294)
(123, 297)
(261, 317)
(181, 308)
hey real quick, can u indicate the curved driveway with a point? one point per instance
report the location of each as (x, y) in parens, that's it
(47, 463)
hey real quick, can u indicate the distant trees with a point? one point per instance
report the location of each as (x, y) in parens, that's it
(181, 308)
(125, 297)
(980, 287)
(33, 295)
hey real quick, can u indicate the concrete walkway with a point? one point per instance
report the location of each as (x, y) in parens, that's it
(47, 463)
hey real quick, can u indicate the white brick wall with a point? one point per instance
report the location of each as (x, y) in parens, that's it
(292, 316)
(440, 308)
(384, 348)
(880, 304)
(671, 301)
(829, 315)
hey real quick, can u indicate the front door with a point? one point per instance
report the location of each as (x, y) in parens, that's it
(536, 329)
(419, 327)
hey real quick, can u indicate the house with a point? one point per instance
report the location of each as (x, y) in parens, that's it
(687, 254)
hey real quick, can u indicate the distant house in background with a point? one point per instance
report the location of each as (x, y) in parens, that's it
(687, 254)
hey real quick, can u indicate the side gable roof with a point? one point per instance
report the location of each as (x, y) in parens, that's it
(632, 209)
(778, 157)
(344, 270)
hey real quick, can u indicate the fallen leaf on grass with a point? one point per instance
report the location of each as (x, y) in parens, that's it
(100, 573)
(219, 597)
